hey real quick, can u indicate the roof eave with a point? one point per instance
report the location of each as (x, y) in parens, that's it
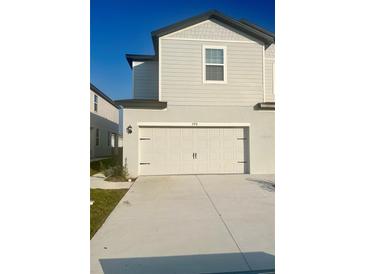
(139, 57)
(141, 103)
(265, 106)
(256, 32)
(103, 95)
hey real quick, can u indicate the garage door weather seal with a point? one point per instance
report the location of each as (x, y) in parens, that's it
(220, 216)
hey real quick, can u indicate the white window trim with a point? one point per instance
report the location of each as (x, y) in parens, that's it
(96, 102)
(113, 140)
(224, 64)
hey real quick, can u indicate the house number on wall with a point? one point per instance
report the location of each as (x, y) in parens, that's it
(194, 124)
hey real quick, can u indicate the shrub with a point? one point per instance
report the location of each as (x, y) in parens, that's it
(118, 172)
(116, 160)
(101, 165)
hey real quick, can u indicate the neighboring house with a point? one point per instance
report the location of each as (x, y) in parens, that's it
(204, 103)
(104, 124)
(120, 139)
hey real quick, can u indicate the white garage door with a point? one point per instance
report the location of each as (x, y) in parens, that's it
(174, 150)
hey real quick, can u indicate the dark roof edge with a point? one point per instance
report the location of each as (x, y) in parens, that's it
(251, 29)
(141, 103)
(139, 57)
(103, 95)
(265, 106)
(244, 21)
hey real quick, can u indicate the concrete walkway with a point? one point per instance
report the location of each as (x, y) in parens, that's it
(189, 224)
(98, 182)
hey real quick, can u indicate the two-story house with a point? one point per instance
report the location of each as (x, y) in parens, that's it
(204, 103)
(104, 124)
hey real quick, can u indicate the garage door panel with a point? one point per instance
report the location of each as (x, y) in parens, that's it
(214, 156)
(187, 149)
(169, 150)
(186, 168)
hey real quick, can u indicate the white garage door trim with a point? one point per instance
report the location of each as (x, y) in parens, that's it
(193, 125)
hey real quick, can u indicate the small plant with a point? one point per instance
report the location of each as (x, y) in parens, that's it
(116, 173)
(116, 160)
(101, 165)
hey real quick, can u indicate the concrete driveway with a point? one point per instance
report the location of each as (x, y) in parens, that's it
(189, 224)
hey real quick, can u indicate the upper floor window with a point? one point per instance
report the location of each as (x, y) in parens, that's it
(95, 103)
(215, 69)
(113, 140)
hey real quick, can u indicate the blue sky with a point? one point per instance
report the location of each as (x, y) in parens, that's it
(124, 26)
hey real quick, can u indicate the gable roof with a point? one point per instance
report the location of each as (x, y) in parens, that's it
(244, 21)
(252, 30)
(139, 57)
(103, 95)
(241, 25)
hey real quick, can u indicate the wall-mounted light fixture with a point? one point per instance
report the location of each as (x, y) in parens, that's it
(129, 129)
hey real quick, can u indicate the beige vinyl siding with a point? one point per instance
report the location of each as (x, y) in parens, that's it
(269, 73)
(270, 51)
(106, 120)
(105, 109)
(269, 81)
(182, 74)
(211, 30)
(145, 80)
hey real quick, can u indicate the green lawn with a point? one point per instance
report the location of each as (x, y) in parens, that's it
(105, 201)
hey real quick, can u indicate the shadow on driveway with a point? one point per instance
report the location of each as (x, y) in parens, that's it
(265, 184)
(227, 263)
